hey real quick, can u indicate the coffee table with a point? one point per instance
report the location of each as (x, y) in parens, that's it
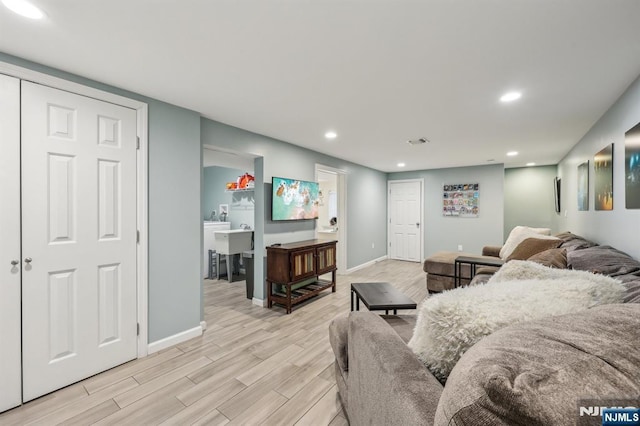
(380, 297)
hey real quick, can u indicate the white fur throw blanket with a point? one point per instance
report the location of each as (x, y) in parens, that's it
(451, 322)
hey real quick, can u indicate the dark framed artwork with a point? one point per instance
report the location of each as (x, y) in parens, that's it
(556, 192)
(583, 187)
(632, 167)
(603, 175)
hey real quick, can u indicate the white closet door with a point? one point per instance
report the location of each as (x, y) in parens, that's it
(10, 383)
(79, 237)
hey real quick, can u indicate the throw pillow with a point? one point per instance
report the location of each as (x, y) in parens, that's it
(532, 246)
(451, 322)
(606, 259)
(553, 258)
(526, 270)
(519, 234)
(535, 372)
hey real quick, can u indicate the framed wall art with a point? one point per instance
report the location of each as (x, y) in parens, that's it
(632, 168)
(460, 200)
(583, 186)
(603, 176)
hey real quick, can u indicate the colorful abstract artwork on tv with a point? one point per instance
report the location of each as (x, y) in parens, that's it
(603, 174)
(632, 168)
(294, 199)
(583, 187)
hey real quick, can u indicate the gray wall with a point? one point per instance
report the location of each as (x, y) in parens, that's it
(366, 195)
(446, 233)
(619, 227)
(529, 198)
(175, 228)
(215, 193)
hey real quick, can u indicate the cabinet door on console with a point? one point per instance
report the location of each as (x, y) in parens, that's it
(326, 259)
(302, 264)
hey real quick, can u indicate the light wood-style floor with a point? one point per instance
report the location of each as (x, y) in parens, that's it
(252, 366)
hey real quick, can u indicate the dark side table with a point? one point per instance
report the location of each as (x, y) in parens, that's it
(473, 262)
(379, 297)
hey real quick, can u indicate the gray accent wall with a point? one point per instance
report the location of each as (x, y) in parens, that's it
(619, 227)
(529, 198)
(442, 233)
(175, 225)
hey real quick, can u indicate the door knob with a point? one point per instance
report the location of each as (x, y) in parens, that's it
(27, 260)
(14, 262)
(417, 224)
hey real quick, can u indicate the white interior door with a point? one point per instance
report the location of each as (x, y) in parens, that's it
(79, 237)
(10, 368)
(405, 220)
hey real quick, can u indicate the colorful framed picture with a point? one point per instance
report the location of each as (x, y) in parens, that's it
(603, 175)
(632, 167)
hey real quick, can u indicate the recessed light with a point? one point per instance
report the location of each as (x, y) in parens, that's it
(510, 96)
(24, 8)
(401, 164)
(331, 135)
(531, 164)
(512, 153)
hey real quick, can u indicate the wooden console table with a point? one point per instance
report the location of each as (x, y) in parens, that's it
(294, 263)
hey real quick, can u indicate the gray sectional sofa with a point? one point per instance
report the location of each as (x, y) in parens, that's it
(536, 372)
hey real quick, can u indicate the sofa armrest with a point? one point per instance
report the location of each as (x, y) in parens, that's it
(491, 251)
(388, 384)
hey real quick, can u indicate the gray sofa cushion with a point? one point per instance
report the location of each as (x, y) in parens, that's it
(633, 289)
(574, 242)
(535, 372)
(604, 260)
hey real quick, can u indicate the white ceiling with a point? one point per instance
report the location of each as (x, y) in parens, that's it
(378, 72)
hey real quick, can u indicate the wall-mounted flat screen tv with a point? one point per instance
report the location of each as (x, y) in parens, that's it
(294, 199)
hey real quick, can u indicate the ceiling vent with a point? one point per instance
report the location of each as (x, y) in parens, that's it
(417, 141)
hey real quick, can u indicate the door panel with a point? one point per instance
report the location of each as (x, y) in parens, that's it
(405, 222)
(79, 229)
(10, 379)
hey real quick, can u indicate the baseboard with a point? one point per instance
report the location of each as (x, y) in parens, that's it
(183, 336)
(203, 325)
(259, 302)
(369, 263)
